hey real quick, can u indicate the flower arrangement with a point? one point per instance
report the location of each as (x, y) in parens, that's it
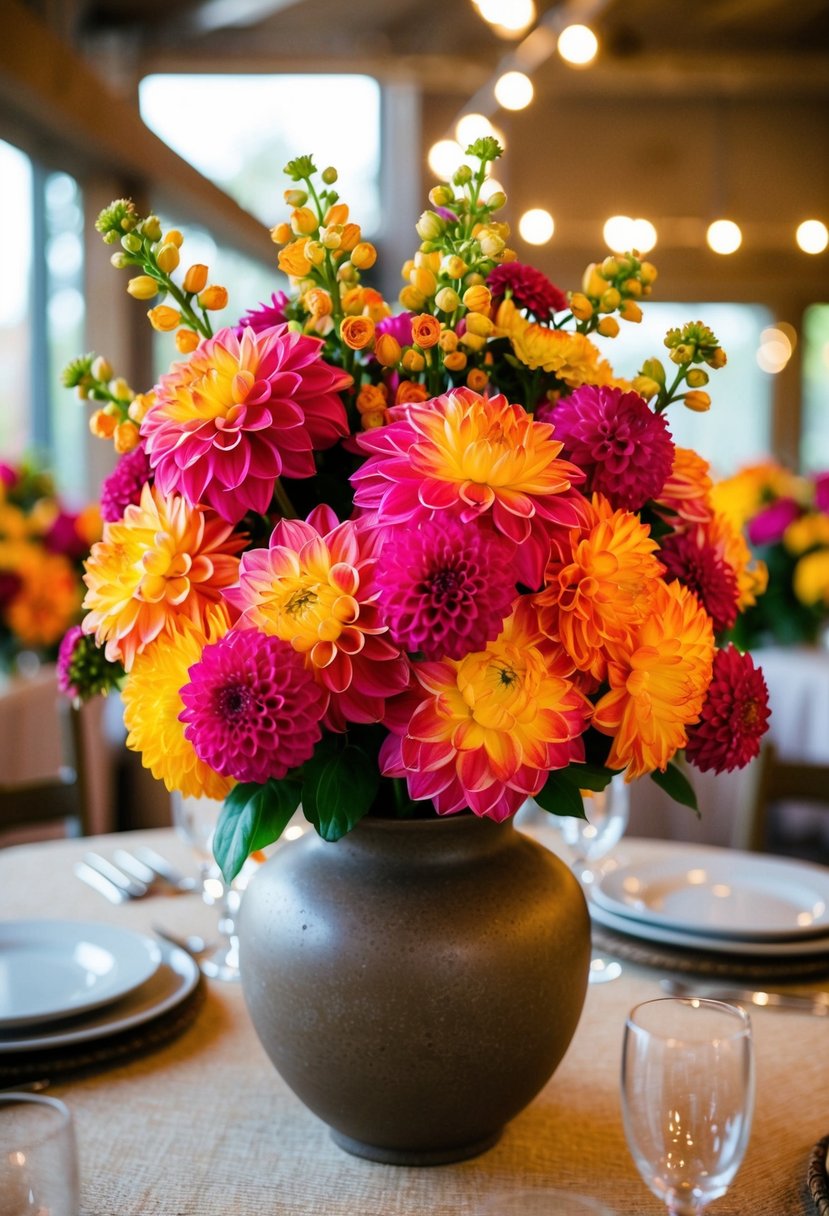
(422, 562)
(785, 517)
(42, 547)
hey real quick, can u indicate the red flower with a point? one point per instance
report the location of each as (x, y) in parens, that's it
(734, 716)
(530, 289)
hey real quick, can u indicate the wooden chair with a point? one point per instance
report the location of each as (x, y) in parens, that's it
(775, 781)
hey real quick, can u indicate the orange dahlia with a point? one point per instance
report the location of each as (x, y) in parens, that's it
(658, 683)
(687, 490)
(164, 560)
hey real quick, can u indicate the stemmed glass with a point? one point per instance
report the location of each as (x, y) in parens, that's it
(687, 1097)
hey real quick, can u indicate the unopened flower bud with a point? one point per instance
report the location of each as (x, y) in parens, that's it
(479, 323)
(331, 238)
(496, 201)
(473, 342)
(142, 287)
(645, 387)
(632, 287)
(629, 310)
(609, 300)
(655, 371)
(491, 243)
(447, 299)
(142, 401)
(424, 281)
(101, 369)
(412, 299)
(213, 297)
(448, 340)
(442, 195)
(608, 327)
(697, 401)
(151, 228)
(168, 257)
(428, 260)
(683, 352)
(295, 198)
(593, 284)
(430, 226)
(303, 221)
(610, 267)
(120, 390)
(132, 243)
(580, 306)
(186, 340)
(281, 234)
(696, 378)
(350, 237)
(477, 379)
(412, 361)
(406, 269)
(387, 350)
(163, 318)
(329, 175)
(462, 177)
(477, 298)
(347, 273)
(337, 214)
(315, 253)
(453, 267)
(717, 358)
(174, 237)
(364, 255)
(648, 273)
(455, 361)
(102, 425)
(195, 280)
(125, 437)
(119, 260)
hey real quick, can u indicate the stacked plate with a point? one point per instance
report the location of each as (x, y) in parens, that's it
(720, 901)
(64, 983)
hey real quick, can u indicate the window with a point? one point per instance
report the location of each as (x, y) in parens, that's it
(814, 444)
(15, 304)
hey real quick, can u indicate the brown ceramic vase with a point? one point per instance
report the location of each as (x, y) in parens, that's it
(416, 983)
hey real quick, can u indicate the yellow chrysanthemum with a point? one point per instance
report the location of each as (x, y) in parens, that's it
(152, 704)
(571, 357)
(163, 561)
(48, 601)
(810, 580)
(657, 683)
(603, 590)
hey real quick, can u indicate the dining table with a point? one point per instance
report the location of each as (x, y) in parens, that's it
(197, 1122)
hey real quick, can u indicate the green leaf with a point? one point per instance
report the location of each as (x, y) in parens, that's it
(674, 782)
(560, 796)
(252, 817)
(339, 788)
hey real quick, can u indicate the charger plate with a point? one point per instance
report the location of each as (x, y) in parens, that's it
(817, 1176)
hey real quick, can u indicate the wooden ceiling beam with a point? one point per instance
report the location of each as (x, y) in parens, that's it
(59, 110)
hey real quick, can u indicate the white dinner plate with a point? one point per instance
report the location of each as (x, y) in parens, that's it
(173, 981)
(729, 893)
(648, 932)
(53, 969)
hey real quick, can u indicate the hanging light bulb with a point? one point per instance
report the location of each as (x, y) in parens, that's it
(812, 236)
(577, 45)
(724, 236)
(536, 226)
(509, 18)
(514, 91)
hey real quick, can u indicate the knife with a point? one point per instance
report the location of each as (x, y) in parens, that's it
(816, 1003)
(99, 883)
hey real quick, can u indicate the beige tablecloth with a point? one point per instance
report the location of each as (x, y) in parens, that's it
(205, 1127)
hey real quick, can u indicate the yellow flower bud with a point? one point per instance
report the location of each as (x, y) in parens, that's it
(477, 379)
(580, 306)
(168, 257)
(119, 261)
(281, 234)
(413, 361)
(455, 361)
(126, 437)
(120, 390)
(632, 287)
(337, 213)
(429, 261)
(303, 221)
(329, 175)
(196, 279)
(143, 287)
(474, 279)
(424, 281)
(292, 260)
(447, 299)
(388, 350)
(142, 401)
(163, 318)
(412, 299)
(648, 273)
(347, 273)
(102, 425)
(491, 243)
(473, 342)
(645, 387)
(151, 228)
(174, 237)
(357, 332)
(318, 302)
(314, 253)
(448, 340)
(593, 284)
(629, 310)
(717, 358)
(697, 401)
(363, 255)
(101, 369)
(696, 378)
(296, 198)
(610, 267)
(477, 298)
(479, 323)
(186, 340)
(810, 579)
(331, 238)
(507, 255)
(442, 195)
(430, 226)
(609, 300)
(453, 266)
(608, 327)
(213, 297)
(406, 269)
(350, 237)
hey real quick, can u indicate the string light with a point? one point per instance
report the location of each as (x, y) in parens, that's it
(774, 351)
(536, 226)
(621, 233)
(724, 236)
(812, 236)
(514, 91)
(577, 45)
(509, 18)
(444, 157)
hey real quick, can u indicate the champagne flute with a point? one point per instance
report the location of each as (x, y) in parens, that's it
(687, 1097)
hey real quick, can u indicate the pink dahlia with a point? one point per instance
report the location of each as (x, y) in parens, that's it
(251, 709)
(689, 557)
(822, 492)
(239, 414)
(471, 458)
(265, 316)
(529, 288)
(124, 485)
(767, 526)
(734, 715)
(625, 448)
(315, 588)
(445, 588)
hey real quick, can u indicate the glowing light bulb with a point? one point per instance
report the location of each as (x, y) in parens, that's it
(536, 226)
(619, 233)
(724, 236)
(470, 127)
(812, 236)
(444, 157)
(509, 17)
(514, 90)
(577, 45)
(774, 351)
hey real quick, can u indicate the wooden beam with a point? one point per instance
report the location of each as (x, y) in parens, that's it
(58, 109)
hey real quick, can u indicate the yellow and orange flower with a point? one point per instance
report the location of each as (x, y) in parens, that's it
(571, 357)
(163, 561)
(658, 682)
(687, 491)
(49, 598)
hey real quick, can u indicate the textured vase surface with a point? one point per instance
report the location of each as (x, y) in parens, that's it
(417, 982)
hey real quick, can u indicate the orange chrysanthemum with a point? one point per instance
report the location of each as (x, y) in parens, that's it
(599, 592)
(658, 683)
(571, 357)
(732, 547)
(48, 600)
(687, 492)
(163, 560)
(152, 704)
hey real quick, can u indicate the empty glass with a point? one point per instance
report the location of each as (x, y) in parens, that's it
(687, 1097)
(38, 1157)
(542, 1201)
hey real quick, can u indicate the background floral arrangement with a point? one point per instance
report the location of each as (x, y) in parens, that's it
(421, 562)
(42, 547)
(785, 517)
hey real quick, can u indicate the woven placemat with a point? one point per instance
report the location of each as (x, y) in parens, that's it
(57, 1063)
(702, 962)
(816, 1176)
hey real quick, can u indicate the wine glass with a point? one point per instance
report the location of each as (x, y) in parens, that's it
(687, 1097)
(38, 1157)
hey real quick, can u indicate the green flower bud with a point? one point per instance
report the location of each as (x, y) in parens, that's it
(430, 226)
(329, 175)
(462, 176)
(151, 228)
(696, 378)
(131, 243)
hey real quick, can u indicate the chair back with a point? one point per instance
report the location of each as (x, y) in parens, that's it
(776, 781)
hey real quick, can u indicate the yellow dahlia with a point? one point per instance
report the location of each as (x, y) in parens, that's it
(600, 591)
(164, 560)
(658, 683)
(152, 704)
(571, 357)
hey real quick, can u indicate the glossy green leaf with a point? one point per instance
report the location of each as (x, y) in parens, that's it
(253, 816)
(674, 782)
(339, 788)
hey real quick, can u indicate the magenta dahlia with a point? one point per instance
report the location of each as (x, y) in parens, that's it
(529, 288)
(251, 709)
(445, 588)
(265, 316)
(124, 485)
(240, 413)
(689, 557)
(734, 716)
(625, 448)
(767, 526)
